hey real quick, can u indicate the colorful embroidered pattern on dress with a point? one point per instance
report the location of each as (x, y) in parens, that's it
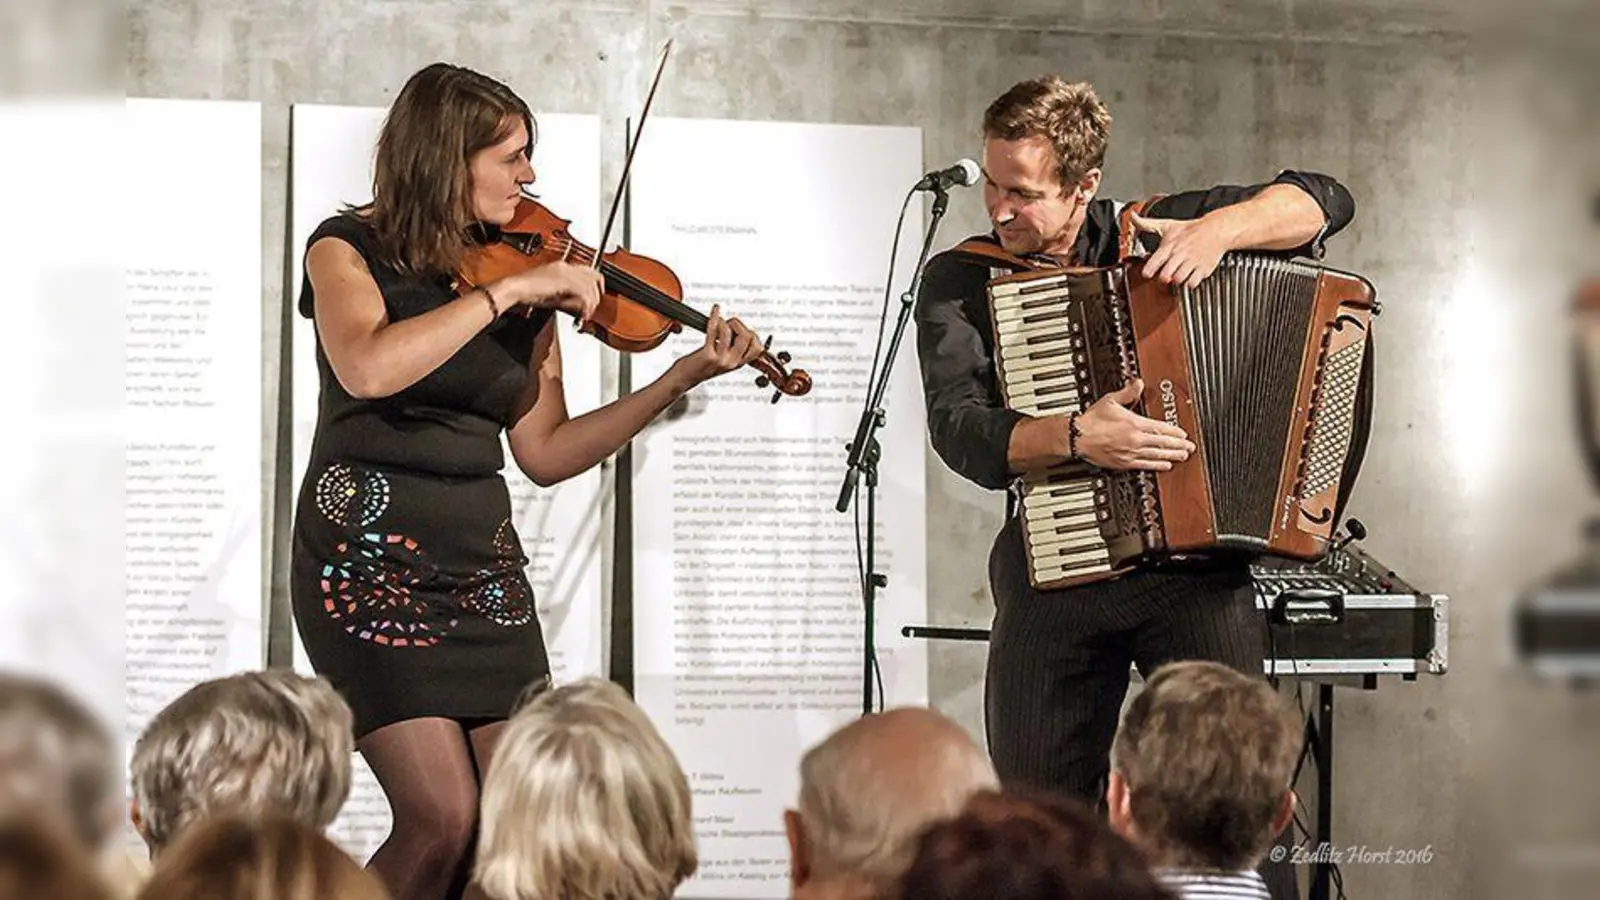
(352, 498)
(369, 587)
(502, 595)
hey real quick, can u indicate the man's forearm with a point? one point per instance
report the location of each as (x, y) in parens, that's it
(1036, 443)
(1281, 217)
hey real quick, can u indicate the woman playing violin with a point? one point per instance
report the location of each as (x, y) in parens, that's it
(408, 584)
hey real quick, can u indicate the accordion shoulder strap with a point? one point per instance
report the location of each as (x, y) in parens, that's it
(1128, 234)
(985, 253)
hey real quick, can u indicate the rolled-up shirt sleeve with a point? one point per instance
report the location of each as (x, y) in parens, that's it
(968, 424)
(1338, 206)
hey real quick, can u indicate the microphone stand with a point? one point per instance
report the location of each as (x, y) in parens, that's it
(864, 451)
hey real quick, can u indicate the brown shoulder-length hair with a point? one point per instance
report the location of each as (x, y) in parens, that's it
(1026, 845)
(421, 182)
(267, 858)
(39, 860)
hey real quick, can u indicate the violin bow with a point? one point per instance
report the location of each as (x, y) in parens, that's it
(627, 165)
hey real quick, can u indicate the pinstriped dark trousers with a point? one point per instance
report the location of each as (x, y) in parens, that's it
(1058, 663)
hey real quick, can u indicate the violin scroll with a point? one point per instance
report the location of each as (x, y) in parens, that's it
(774, 374)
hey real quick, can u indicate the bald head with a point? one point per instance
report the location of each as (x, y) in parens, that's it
(869, 789)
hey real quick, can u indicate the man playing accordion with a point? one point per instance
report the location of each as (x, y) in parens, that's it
(1059, 660)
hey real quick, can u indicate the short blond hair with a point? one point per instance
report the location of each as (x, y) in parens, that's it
(261, 742)
(258, 858)
(1068, 114)
(58, 759)
(584, 801)
(1208, 753)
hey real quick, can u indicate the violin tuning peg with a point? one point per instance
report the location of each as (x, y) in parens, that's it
(776, 395)
(767, 344)
(783, 357)
(762, 381)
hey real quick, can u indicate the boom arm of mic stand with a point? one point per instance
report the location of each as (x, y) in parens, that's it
(872, 417)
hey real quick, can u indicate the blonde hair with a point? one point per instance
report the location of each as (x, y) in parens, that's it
(1069, 115)
(261, 742)
(1208, 754)
(270, 858)
(56, 757)
(584, 801)
(874, 784)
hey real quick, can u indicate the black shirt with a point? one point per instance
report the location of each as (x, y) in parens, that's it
(448, 423)
(967, 419)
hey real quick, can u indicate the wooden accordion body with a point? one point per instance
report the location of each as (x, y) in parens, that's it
(1260, 366)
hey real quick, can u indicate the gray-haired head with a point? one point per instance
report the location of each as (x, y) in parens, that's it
(260, 743)
(57, 759)
(871, 787)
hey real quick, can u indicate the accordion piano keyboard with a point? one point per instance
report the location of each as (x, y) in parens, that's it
(1038, 345)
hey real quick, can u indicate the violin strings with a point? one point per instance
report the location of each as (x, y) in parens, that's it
(578, 252)
(654, 298)
(640, 290)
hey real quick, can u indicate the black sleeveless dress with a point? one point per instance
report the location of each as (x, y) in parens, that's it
(407, 576)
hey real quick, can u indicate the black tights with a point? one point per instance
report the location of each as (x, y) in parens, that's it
(430, 770)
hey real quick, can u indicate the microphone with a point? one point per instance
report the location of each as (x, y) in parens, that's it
(964, 174)
(1355, 531)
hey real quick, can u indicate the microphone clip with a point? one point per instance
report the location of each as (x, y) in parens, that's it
(963, 174)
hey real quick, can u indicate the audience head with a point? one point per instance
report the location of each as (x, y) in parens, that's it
(1201, 767)
(1005, 846)
(41, 860)
(584, 801)
(271, 857)
(57, 760)
(870, 788)
(267, 742)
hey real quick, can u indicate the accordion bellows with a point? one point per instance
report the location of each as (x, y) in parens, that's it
(1259, 365)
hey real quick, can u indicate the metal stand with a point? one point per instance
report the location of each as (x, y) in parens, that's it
(1319, 736)
(864, 453)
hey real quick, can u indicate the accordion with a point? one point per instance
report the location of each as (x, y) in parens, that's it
(1260, 365)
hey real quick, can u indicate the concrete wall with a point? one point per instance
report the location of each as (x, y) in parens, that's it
(1471, 180)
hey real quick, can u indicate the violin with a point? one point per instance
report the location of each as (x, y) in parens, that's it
(642, 301)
